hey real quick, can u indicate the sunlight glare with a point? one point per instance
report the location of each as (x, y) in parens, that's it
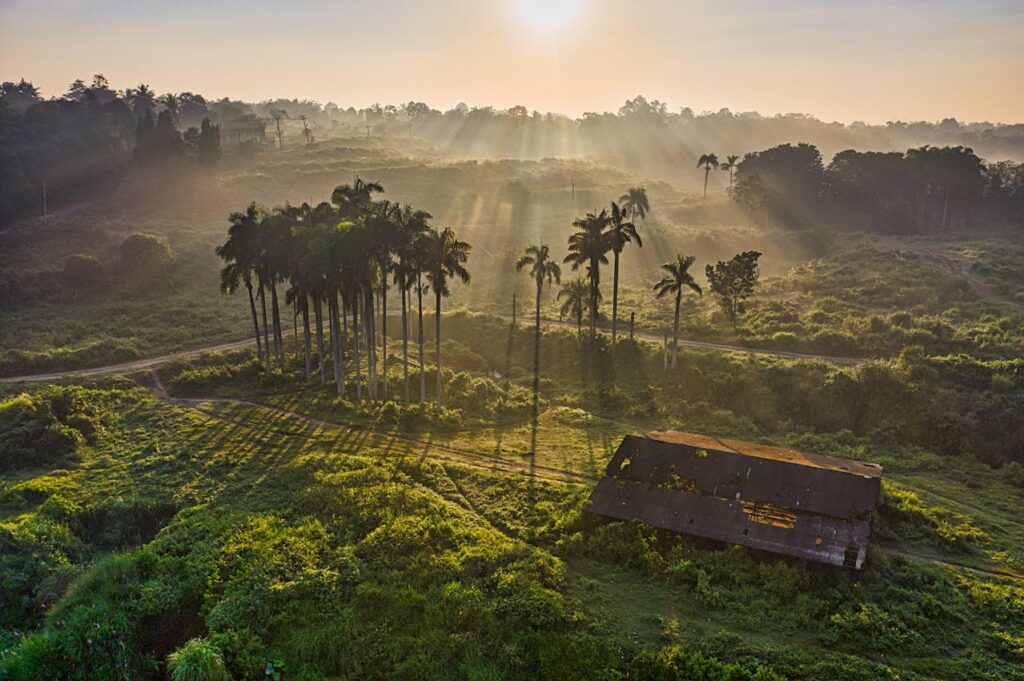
(549, 15)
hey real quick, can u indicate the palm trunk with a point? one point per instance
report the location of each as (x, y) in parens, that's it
(337, 351)
(675, 335)
(355, 347)
(536, 344)
(266, 327)
(615, 302)
(295, 323)
(278, 336)
(423, 375)
(255, 320)
(369, 321)
(437, 342)
(384, 334)
(593, 300)
(318, 314)
(579, 323)
(405, 342)
(306, 346)
(707, 171)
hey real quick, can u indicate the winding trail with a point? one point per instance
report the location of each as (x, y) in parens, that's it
(149, 363)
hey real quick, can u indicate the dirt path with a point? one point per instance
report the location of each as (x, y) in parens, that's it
(142, 364)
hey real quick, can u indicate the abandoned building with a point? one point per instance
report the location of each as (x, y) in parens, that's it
(769, 498)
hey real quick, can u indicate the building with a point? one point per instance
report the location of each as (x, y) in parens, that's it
(769, 498)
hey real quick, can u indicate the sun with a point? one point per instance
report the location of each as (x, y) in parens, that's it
(549, 16)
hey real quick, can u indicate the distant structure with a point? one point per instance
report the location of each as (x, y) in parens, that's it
(231, 137)
(780, 500)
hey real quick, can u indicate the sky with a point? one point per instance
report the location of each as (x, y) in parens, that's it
(843, 60)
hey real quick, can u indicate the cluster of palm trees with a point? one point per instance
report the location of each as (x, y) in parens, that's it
(338, 260)
(597, 235)
(710, 162)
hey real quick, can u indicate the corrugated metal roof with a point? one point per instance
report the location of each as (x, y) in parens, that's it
(775, 499)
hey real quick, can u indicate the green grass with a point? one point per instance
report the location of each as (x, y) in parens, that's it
(252, 487)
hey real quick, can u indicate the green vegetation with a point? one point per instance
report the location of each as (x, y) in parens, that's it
(297, 509)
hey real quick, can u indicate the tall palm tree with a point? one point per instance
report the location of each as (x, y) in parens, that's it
(411, 224)
(577, 301)
(678, 279)
(444, 257)
(239, 252)
(730, 165)
(635, 203)
(589, 246)
(542, 268)
(709, 161)
(620, 233)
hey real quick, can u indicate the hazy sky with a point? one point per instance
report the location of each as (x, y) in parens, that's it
(871, 60)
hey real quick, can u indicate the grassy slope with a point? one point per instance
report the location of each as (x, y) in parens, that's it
(235, 462)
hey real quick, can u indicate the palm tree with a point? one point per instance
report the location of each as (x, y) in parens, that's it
(709, 161)
(411, 224)
(589, 246)
(635, 204)
(620, 233)
(542, 268)
(355, 200)
(239, 252)
(445, 257)
(731, 163)
(577, 301)
(678, 279)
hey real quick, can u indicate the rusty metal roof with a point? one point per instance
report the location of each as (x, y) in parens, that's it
(768, 452)
(775, 499)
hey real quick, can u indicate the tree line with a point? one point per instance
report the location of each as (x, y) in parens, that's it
(338, 260)
(72, 148)
(924, 190)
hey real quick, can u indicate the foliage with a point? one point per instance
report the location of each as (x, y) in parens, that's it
(732, 282)
(197, 660)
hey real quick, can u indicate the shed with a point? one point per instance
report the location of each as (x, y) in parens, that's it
(770, 498)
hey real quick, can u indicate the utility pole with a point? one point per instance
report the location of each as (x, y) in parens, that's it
(665, 353)
(367, 131)
(305, 130)
(513, 310)
(632, 318)
(46, 214)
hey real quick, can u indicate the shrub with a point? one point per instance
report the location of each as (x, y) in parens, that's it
(31, 435)
(197, 660)
(83, 272)
(144, 254)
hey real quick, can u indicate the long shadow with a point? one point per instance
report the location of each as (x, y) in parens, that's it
(534, 418)
(501, 426)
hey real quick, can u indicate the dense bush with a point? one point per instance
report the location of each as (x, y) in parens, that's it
(44, 428)
(143, 253)
(83, 272)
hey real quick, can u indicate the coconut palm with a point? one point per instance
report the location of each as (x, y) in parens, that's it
(635, 203)
(709, 161)
(239, 252)
(444, 257)
(577, 301)
(589, 247)
(542, 268)
(730, 165)
(620, 233)
(678, 280)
